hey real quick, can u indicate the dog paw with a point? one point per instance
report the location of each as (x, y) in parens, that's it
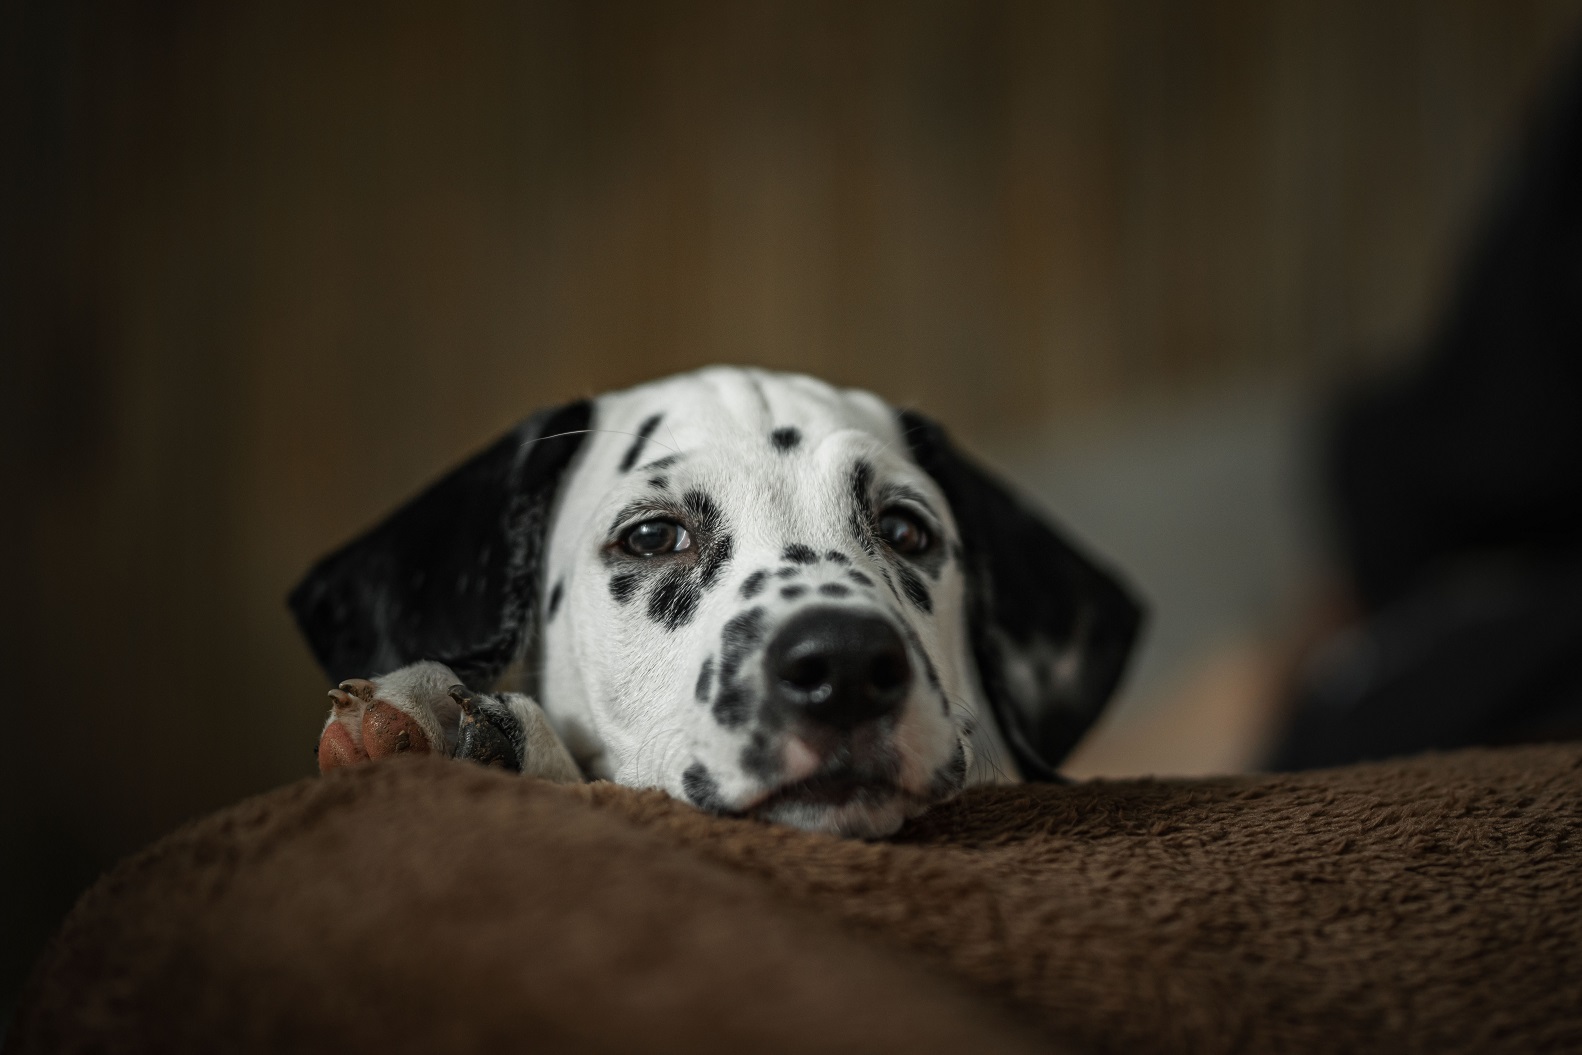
(424, 708)
(409, 711)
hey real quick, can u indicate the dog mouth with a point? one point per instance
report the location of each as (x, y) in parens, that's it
(829, 790)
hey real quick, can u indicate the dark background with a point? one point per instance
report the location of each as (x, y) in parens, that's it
(269, 267)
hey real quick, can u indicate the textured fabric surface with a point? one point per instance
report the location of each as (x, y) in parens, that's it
(1432, 905)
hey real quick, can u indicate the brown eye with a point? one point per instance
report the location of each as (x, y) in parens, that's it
(655, 538)
(903, 532)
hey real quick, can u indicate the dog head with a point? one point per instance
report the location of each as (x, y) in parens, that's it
(761, 593)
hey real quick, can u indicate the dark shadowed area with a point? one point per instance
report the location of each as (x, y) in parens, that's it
(268, 268)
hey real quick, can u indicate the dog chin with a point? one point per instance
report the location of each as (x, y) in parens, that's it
(859, 811)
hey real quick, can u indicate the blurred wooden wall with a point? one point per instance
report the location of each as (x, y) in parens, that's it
(268, 267)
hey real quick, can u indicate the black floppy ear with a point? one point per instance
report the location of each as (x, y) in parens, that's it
(1051, 629)
(453, 574)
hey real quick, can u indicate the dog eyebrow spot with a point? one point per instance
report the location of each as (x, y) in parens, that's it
(862, 526)
(624, 585)
(753, 584)
(659, 483)
(797, 553)
(786, 438)
(834, 589)
(859, 578)
(701, 789)
(635, 451)
(837, 557)
(705, 679)
(555, 595)
(916, 592)
(660, 464)
(793, 591)
(703, 510)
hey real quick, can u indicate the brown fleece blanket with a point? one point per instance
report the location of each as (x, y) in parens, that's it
(1432, 905)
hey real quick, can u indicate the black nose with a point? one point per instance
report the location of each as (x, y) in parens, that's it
(837, 667)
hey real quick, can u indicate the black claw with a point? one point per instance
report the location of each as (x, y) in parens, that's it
(462, 697)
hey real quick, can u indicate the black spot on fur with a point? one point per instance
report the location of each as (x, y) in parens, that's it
(555, 595)
(862, 525)
(786, 438)
(837, 557)
(861, 484)
(754, 584)
(928, 661)
(738, 638)
(793, 591)
(715, 558)
(659, 483)
(916, 591)
(759, 758)
(797, 553)
(705, 680)
(487, 732)
(675, 599)
(788, 573)
(835, 589)
(635, 451)
(730, 709)
(859, 578)
(660, 464)
(701, 789)
(624, 584)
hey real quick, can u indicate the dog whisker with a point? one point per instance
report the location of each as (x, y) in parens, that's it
(582, 432)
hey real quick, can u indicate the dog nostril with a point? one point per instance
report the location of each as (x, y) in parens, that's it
(806, 673)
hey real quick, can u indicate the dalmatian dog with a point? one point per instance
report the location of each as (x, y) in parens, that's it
(768, 596)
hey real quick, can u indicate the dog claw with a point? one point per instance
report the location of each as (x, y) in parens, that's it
(463, 698)
(343, 699)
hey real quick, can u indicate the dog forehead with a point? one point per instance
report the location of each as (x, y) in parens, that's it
(733, 408)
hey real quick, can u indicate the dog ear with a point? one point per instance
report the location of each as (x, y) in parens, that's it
(1051, 629)
(452, 575)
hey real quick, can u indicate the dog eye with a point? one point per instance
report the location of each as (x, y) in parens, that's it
(653, 538)
(903, 532)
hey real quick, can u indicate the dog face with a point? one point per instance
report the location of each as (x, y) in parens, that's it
(753, 590)
(755, 602)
